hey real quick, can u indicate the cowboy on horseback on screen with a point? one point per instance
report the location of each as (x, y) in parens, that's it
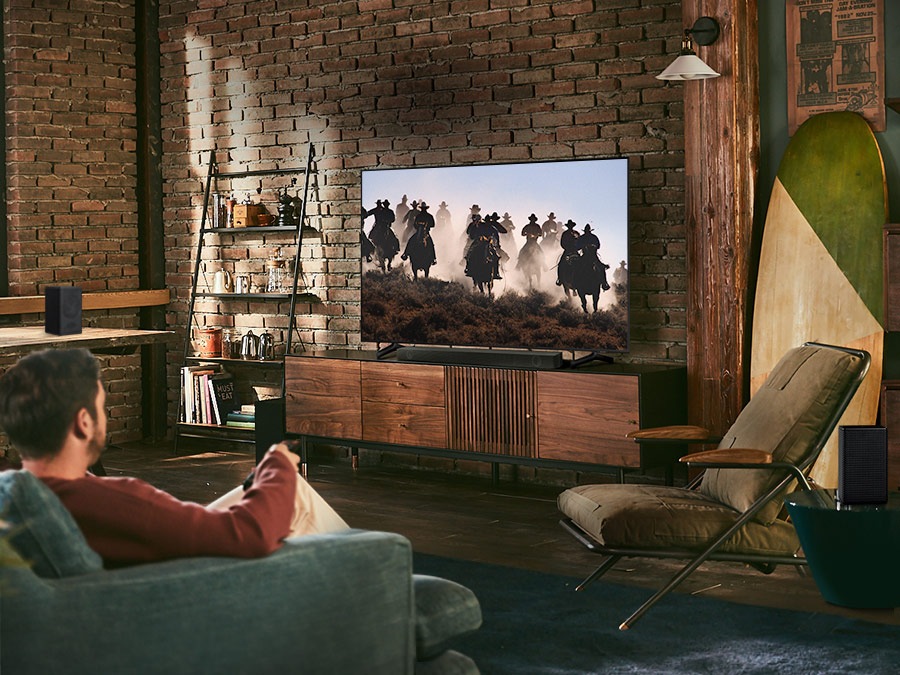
(420, 246)
(569, 241)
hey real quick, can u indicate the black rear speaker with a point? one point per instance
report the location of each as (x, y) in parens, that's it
(862, 470)
(269, 425)
(62, 310)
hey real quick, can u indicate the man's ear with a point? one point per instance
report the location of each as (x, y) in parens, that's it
(83, 424)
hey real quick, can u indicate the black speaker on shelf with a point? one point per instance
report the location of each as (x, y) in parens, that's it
(862, 465)
(62, 310)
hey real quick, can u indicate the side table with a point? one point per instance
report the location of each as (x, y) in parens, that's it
(853, 551)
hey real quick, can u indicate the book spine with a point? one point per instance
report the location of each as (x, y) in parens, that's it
(197, 416)
(188, 396)
(240, 425)
(207, 403)
(240, 417)
(214, 402)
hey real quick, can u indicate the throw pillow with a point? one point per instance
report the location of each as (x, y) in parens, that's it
(40, 528)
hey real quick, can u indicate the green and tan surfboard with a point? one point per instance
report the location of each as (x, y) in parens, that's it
(820, 270)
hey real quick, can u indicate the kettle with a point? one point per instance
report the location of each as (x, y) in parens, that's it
(249, 346)
(222, 282)
(266, 347)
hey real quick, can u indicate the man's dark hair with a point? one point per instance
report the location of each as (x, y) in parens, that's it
(40, 396)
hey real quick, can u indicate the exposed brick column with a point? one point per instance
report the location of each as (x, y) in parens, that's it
(70, 74)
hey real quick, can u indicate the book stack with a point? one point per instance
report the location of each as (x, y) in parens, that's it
(208, 394)
(243, 417)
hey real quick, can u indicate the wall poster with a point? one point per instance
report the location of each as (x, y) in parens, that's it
(835, 59)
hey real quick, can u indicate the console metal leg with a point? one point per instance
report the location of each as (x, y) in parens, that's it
(354, 458)
(304, 458)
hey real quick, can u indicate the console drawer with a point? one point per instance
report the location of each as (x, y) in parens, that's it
(402, 424)
(323, 397)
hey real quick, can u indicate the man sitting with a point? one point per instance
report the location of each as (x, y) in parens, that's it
(52, 407)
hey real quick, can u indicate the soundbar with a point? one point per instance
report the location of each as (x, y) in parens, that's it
(496, 358)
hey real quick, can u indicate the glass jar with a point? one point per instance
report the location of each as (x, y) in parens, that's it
(276, 268)
(231, 344)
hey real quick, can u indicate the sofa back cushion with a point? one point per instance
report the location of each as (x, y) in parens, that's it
(41, 529)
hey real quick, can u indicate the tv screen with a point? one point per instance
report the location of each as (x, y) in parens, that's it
(531, 255)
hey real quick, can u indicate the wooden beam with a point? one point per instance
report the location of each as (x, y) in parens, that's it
(151, 246)
(32, 304)
(721, 162)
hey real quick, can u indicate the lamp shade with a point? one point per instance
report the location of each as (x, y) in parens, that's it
(687, 67)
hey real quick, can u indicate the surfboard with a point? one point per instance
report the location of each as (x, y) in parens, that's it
(820, 269)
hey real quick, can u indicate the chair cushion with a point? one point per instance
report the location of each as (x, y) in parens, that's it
(654, 517)
(787, 417)
(444, 610)
(41, 529)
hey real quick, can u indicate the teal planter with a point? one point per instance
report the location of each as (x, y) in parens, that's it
(853, 552)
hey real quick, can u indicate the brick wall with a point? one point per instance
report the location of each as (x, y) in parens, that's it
(370, 83)
(394, 83)
(71, 129)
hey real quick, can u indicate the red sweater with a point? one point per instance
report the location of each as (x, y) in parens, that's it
(128, 521)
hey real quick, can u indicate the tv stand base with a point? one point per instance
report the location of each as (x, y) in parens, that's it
(588, 358)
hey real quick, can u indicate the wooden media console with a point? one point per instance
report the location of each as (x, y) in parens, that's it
(573, 418)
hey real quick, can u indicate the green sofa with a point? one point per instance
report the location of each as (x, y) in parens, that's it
(329, 604)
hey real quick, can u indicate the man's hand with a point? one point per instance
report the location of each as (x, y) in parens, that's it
(286, 448)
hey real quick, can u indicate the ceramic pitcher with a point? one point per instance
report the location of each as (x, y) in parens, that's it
(222, 282)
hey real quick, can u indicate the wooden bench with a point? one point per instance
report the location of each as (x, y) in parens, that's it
(16, 339)
(99, 340)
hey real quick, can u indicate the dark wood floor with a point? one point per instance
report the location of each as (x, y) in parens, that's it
(513, 523)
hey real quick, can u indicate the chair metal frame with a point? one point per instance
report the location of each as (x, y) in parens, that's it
(765, 563)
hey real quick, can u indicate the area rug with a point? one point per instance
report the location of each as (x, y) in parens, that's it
(536, 623)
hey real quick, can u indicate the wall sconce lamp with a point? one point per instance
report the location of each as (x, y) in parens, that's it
(688, 66)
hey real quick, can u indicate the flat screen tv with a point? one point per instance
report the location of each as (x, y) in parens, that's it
(526, 256)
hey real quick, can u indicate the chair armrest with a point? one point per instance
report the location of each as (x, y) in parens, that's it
(682, 433)
(728, 456)
(743, 458)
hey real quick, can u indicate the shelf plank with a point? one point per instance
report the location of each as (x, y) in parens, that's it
(301, 297)
(264, 229)
(237, 434)
(268, 363)
(258, 172)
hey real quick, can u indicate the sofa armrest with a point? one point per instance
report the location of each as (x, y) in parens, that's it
(444, 610)
(337, 603)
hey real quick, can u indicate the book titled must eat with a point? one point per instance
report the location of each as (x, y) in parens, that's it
(224, 398)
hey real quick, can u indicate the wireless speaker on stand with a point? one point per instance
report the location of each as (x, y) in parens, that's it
(862, 465)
